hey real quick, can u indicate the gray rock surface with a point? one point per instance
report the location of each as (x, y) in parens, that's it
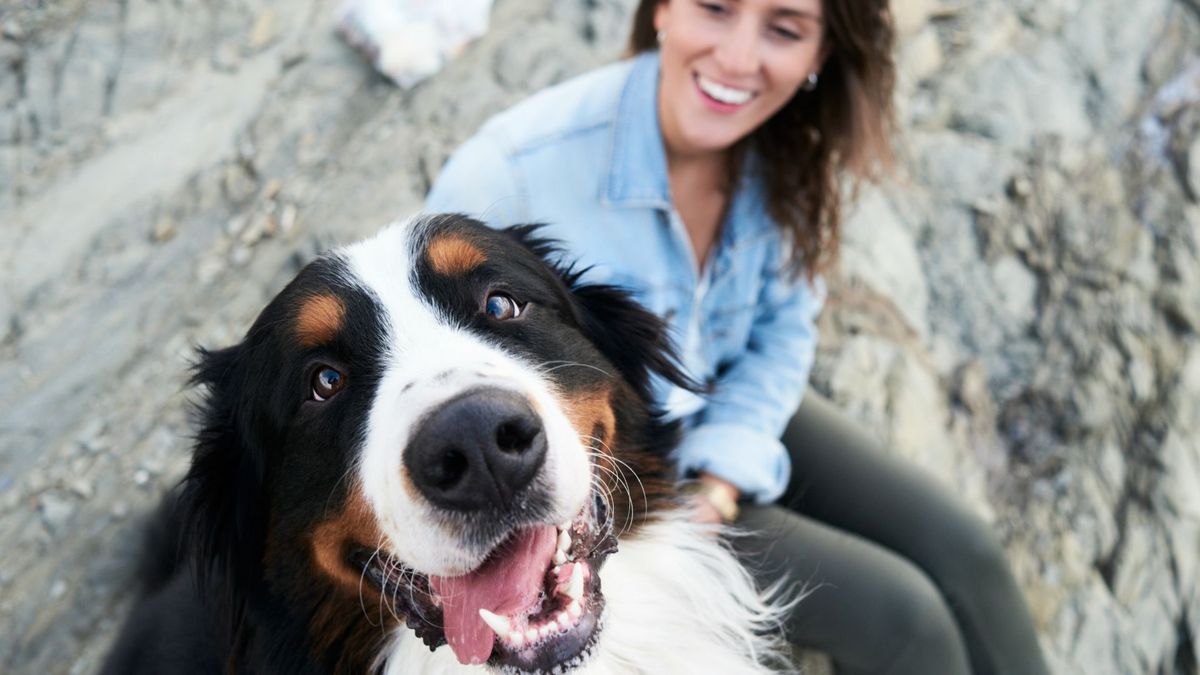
(1019, 311)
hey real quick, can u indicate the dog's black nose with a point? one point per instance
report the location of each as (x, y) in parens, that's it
(476, 451)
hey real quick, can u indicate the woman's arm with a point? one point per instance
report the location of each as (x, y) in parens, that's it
(737, 436)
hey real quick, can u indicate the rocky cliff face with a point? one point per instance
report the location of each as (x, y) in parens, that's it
(1019, 311)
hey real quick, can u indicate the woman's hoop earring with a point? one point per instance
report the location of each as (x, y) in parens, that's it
(811, 83)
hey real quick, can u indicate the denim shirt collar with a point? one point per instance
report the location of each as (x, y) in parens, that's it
(637, 162)
(637, 165)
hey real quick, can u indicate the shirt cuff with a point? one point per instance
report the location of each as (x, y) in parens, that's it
(753, 461)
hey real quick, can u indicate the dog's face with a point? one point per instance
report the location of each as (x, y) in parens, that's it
(434, 427)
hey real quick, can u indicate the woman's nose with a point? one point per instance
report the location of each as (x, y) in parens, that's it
(737, 52)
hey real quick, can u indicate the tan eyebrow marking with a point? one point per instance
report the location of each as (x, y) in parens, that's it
(319, 320)
(453, 255)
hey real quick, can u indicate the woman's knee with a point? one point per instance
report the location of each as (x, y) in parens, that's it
(972, 554)
(925, 631)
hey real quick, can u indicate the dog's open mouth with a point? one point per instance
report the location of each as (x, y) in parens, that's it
(533, 605)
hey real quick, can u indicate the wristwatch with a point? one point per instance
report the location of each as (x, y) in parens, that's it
(716, 495)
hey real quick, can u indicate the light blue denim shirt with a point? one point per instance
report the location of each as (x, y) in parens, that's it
(587, 158)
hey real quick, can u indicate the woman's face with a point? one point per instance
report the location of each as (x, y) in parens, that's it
(728, 65)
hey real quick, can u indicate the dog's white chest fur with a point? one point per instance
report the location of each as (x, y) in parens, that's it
(677, 601)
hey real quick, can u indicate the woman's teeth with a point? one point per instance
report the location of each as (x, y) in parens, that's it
(723, 94)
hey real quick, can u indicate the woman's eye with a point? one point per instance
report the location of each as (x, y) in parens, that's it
(326, 382)
(713, 8)
(786, 33)
(501, 307)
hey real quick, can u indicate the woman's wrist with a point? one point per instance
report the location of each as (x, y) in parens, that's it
(719, 493)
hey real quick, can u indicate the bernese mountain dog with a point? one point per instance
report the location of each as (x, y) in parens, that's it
(435, 451)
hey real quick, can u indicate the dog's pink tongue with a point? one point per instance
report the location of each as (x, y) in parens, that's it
(508, 583)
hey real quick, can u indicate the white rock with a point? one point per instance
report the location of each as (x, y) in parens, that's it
(409, 40)
(1017, 287)
(877, 250)
(909, 16)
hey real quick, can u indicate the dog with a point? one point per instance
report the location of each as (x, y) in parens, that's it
(436, 451)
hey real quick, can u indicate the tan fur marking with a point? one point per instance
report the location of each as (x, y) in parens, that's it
(591, 409)
(355, 525)
(451, 255)
(319, 320)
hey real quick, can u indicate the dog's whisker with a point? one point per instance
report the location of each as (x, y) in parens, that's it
(362, 578)
(619, 478)
(623, 471)
(566, 364)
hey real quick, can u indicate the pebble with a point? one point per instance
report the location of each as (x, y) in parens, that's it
(226, 59)
(13, 30)
(141, 477)
(294, 55)
(287, 218)
(240, 255)
(239, 187)
(165, 229)
(208, 270)
(56, 510)
(265, 30)
(91, 437)
(82, 488)
(259, 226)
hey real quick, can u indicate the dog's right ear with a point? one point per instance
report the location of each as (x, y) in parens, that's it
(223, 509)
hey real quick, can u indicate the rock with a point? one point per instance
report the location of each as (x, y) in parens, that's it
(921, 56)
(911, 16)
(164, 229)
(56, 511)
(264, 31)
(226, 58)
(878, 251)
(1017, 287)
(12, 30)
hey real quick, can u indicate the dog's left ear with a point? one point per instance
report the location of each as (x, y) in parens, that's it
(630, 336)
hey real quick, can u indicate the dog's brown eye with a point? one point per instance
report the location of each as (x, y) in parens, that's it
(502, 307)
(327, 382)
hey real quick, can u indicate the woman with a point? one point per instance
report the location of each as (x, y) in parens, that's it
(704, 174)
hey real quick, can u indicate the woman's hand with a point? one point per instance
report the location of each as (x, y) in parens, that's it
(714, 500)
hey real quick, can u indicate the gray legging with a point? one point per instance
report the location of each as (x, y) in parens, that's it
(903, 579)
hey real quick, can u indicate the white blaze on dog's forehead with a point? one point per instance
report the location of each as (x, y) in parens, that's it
(427, 360)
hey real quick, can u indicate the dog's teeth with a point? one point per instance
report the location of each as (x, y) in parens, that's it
(575, 609)
(531, 634)
(516, 638)
(498, 623)
(565, 525)
(564, 540)
(564, 619)
(574, 587)
(560, 557)
(548, 629)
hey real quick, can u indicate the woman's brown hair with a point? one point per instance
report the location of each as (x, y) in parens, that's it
(842, 126)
